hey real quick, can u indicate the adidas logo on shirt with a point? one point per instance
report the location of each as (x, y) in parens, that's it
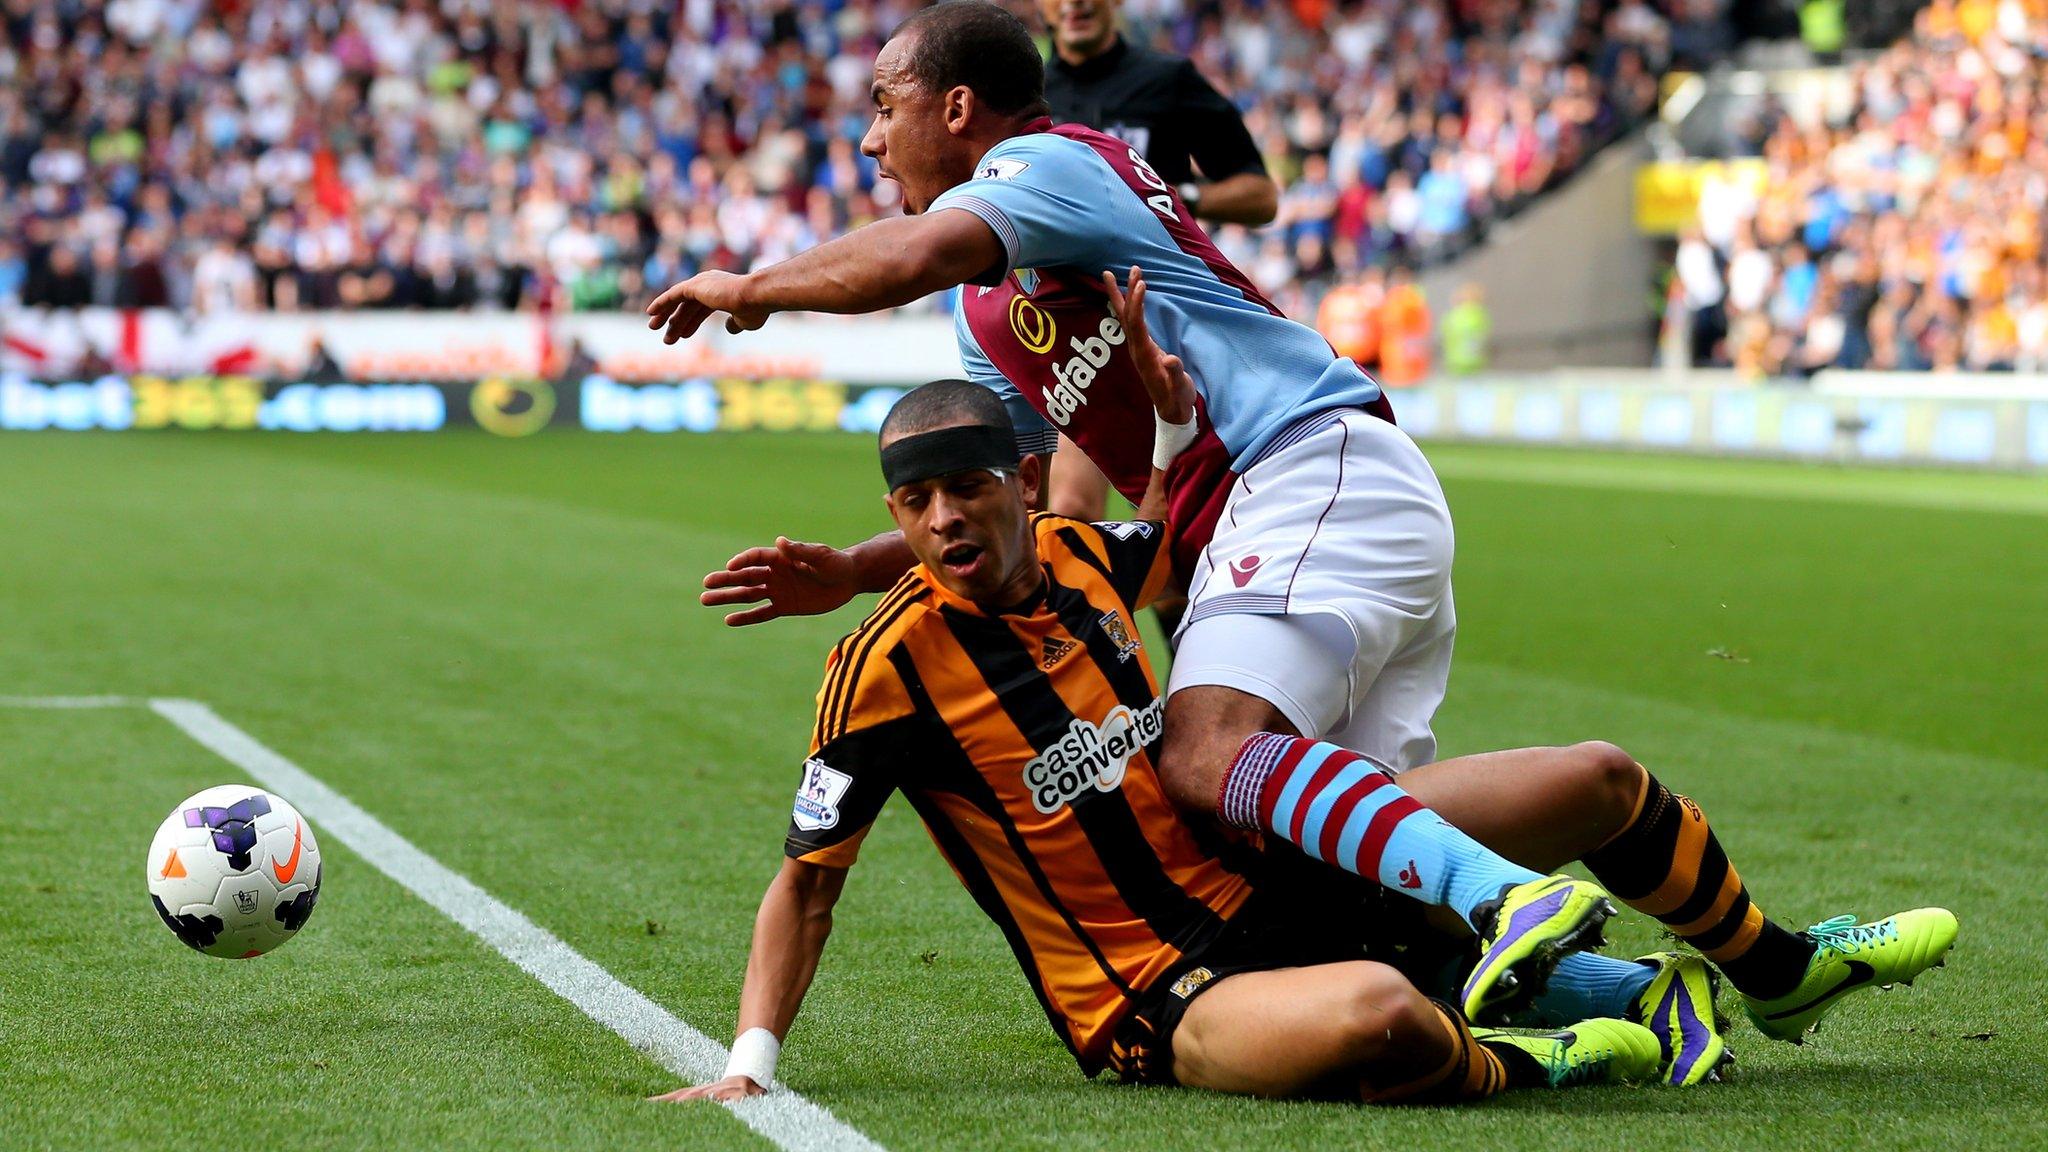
(1056, 650)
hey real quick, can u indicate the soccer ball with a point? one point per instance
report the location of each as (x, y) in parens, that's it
(234, 871)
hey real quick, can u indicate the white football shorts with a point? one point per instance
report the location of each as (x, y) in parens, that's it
(1326, 591)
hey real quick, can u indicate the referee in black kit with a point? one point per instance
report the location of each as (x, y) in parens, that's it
(1160, 105)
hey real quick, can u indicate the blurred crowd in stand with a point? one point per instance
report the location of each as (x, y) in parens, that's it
(1904, 234)
(581, 154)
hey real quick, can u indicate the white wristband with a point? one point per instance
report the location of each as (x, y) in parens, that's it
(754, 1055)
(1170, 440)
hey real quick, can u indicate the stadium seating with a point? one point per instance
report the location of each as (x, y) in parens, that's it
(453, 154)
(1400, 130)
(1903, 233)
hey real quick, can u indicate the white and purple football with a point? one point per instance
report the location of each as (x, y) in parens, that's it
(234, 871)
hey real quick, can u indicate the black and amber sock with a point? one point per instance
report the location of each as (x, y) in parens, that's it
(1668, 864)
(1469, 1070)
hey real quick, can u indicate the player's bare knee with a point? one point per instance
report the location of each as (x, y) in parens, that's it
(1195, 752)
(1206, 726)
(1192, 761)
(1385, 1014)
(1612, 778)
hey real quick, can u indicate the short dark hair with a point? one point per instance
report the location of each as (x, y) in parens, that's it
(943, 404)
(976, 44)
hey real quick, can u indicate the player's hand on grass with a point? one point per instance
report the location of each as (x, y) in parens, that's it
(1166, 379)
(680, 311)
(730, 1088)
(791, 579)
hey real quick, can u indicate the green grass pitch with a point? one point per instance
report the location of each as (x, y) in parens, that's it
(494, 647)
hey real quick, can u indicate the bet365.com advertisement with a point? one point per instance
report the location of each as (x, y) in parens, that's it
(507, 406)
(513, 374)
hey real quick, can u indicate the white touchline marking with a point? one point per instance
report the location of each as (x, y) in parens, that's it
(785, 1118)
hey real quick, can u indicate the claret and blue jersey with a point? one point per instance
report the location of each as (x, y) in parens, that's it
(1069, 203)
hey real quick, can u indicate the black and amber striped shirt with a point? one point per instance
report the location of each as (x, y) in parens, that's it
(1025, 742)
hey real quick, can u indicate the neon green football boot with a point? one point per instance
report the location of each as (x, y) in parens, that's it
(1678, 1007)
(1589, 1052)
(1851, 956)
(1522, 937)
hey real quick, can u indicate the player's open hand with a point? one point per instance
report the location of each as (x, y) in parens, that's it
(730, 1088)
(791, 579)
(1166, 379)
(680, 311)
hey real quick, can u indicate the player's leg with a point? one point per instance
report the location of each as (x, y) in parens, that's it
(1385, 575)
(1362, 1028)
(1649, 847)
(1541, 807)
(1078, 488)
(1341, 809)
(1331, 568)
(1655, 850)
(1329, 1029)
(1250, 666)
(1666, 861)
(1393, 712)
(1238, 757)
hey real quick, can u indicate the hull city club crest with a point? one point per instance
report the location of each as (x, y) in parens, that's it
(1119, 635)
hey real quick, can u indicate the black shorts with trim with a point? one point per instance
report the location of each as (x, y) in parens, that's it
(1302, 913)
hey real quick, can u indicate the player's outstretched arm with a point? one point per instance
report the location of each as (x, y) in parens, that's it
(1167, 383)
(789, 937)
(794, 578)
(883, 265)
(1248, 198)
